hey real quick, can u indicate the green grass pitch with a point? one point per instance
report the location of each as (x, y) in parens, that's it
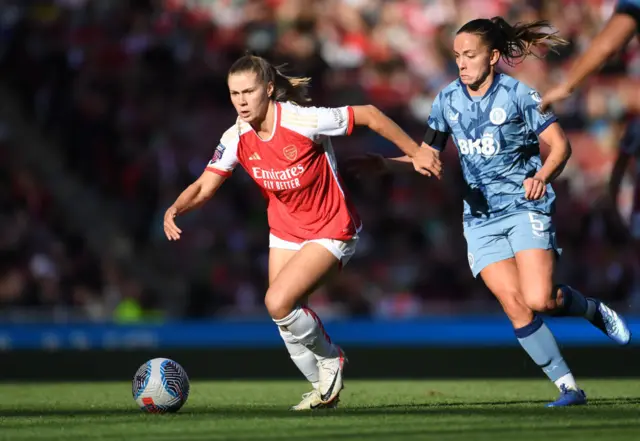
(370, 410)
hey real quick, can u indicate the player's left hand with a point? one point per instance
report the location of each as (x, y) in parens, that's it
(427, 162)
(554, 95)
(534, 188)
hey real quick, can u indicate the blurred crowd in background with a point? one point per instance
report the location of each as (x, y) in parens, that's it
(132, 96)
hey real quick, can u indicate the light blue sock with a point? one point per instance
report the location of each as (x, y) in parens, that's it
(541, 346)
(574, 304)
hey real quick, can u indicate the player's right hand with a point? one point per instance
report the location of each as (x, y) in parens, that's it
(427, 162)
(170, 228)
(371, 164)
(554, 95)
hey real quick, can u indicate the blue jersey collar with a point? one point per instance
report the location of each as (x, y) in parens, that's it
(494, 84)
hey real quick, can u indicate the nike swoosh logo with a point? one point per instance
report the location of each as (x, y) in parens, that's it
(315, 406)
(326, 395)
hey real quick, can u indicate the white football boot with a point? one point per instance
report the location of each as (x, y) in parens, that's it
(311, 401)
(330, 376)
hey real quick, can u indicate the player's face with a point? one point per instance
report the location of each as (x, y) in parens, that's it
(249, 96)
(474, 59)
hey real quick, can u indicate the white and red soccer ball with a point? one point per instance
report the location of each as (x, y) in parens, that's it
(160, 386)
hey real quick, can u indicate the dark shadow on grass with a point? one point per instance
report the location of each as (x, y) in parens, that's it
(596, 401)
(600, 408)
(382, 434)
(623, 401)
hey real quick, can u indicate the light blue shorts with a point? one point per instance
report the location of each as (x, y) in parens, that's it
(501, 238)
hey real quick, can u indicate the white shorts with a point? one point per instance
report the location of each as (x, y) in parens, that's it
(343, 250)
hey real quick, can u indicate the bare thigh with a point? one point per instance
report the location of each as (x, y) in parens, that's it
(278, 258)
(299, 276)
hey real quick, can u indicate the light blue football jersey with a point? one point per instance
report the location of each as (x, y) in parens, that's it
(497, 140)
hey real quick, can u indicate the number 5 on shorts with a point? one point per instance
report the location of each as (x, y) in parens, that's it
(536, 225)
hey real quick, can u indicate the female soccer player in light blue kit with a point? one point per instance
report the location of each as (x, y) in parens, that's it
(495, 123)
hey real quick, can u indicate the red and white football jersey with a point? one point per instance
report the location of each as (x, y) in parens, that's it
(297, 171)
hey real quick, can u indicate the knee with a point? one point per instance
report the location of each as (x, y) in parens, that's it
(558, 294)
(542, 303)
(542, 296)
(278, 305)
(517, 311)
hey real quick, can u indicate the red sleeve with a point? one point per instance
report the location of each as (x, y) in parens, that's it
(352, 120)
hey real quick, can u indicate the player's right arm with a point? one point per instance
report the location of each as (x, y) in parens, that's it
(192, 197)
(620, 28)
(195, 195)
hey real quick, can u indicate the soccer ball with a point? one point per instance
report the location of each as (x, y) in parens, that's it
(160, 385)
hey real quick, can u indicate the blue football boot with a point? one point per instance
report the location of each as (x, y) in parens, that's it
(569, 397)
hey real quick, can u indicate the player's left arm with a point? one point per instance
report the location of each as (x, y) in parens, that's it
(372, 117)
(546, 128)
(341, 120)
(429, 161)
(425, 161)
(559, 153)
(535, 187)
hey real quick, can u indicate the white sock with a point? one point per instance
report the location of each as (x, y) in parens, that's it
(305, 326)
(591, 310)
(302, 357)
(568, 381)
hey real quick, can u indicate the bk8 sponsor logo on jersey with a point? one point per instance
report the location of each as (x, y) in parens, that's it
(486, 146)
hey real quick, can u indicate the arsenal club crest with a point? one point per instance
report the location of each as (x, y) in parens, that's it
(290, 152)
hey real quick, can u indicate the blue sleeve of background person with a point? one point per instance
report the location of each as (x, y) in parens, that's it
(630, 7)
(436, 119)
(528, 102)
(630, 142)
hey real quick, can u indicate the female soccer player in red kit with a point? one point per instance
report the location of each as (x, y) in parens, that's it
(286, 149)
